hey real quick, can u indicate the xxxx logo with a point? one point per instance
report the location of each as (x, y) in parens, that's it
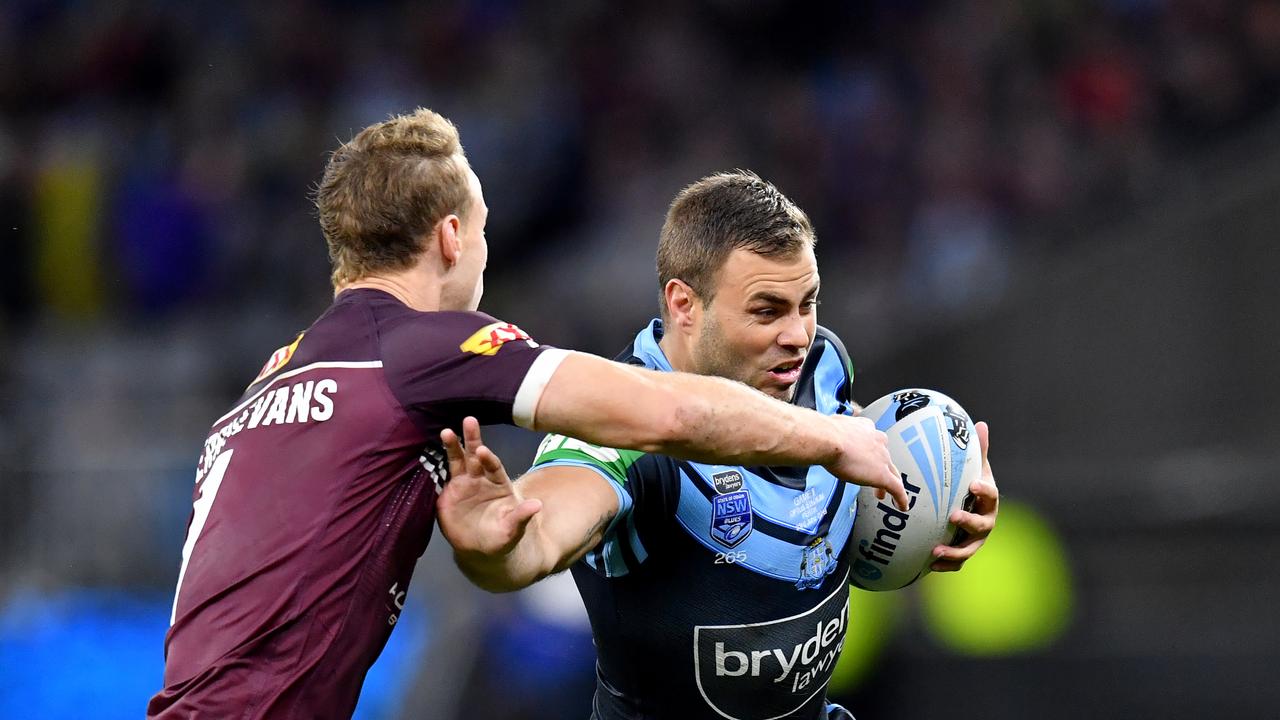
(488, 339)
(278, 359)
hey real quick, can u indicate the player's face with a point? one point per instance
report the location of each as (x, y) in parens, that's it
(475, 249)
(758, 327)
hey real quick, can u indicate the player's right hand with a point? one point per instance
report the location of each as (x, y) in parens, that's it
(479, 510)
(864, 459)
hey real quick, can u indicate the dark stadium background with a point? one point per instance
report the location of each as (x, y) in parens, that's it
(1063, 214)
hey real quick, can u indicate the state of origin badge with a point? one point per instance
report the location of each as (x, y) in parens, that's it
(731, 518)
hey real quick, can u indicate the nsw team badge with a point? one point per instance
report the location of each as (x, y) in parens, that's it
(731, 518)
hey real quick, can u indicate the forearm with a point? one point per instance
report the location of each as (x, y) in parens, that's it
(718, 420)
(577, 507)
(690, 416)
(524, 565)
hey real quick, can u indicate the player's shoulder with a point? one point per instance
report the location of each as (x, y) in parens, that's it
(442, 332)
(387, 311)
(361, 323)
(395, 316)
(342, 335)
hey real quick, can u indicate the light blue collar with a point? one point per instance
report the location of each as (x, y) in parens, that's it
(647, 349)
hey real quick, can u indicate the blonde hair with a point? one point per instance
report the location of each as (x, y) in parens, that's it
(388, 187)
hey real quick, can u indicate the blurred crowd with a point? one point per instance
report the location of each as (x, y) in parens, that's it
(156, 161)
(153, 155)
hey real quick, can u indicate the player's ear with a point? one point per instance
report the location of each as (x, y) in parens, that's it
(682, 302)
(449, 237)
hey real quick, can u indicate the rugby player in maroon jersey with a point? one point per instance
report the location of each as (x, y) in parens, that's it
(315, 494)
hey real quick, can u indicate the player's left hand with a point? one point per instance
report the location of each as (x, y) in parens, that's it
(480, 511)
(976, 524)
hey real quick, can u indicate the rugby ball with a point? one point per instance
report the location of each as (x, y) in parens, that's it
(934, 445)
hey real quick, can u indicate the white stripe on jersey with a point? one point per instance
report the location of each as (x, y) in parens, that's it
(535, 381)
(291, 373)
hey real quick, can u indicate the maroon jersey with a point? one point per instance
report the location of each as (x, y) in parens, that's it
(315, 496)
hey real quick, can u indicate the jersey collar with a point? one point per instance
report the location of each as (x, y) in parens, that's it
(646, 346)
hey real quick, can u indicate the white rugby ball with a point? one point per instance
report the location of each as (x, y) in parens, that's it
(935, 446)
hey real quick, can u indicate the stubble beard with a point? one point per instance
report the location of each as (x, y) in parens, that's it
(714, 356)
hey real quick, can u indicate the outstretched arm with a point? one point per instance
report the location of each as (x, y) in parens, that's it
(502, 539)
(708, 419)
(979, 521)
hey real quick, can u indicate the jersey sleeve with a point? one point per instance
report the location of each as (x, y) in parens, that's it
(444, 366)
(621, 549)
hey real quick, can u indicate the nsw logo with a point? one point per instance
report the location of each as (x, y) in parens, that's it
(727, 481)
(731, 518)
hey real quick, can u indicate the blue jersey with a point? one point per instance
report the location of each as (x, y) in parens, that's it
(718, 591)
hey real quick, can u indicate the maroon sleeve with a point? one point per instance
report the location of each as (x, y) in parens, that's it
(444, 366)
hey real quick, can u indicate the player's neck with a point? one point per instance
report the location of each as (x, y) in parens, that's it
(676, 350)
(413, 294)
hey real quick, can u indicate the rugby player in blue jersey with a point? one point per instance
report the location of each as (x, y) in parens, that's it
(714, 591)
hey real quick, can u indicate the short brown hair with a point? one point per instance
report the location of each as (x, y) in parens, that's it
(386, 188)
(721, 213)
